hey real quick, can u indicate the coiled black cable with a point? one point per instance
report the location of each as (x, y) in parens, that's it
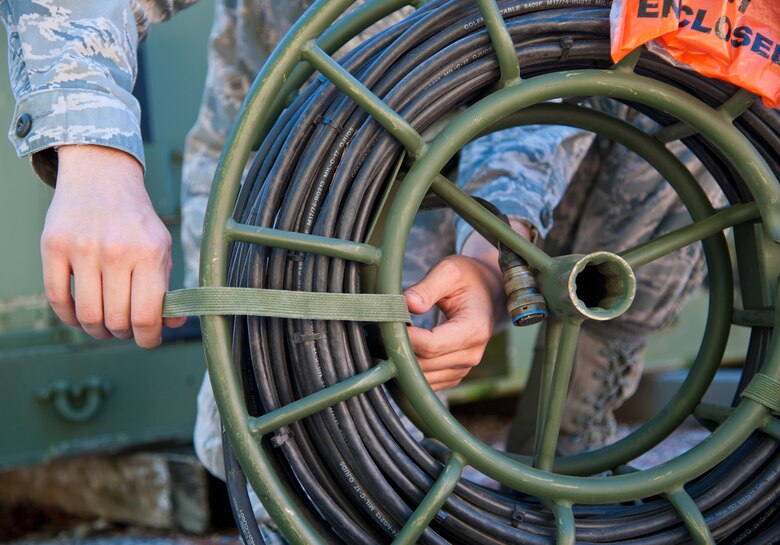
(355, 471)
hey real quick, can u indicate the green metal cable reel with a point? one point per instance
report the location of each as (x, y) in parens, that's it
(562, 486)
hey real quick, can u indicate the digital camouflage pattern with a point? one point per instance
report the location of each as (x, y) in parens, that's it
(243, 35)
(72, 66)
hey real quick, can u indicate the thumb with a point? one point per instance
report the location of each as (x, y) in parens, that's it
(431, 289)
(174, 322)
(415, 301)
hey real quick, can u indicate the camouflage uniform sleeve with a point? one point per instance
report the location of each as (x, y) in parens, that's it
(524, 171)
(72, 66)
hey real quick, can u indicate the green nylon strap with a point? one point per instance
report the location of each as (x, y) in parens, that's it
(765, 390)
(225, 301)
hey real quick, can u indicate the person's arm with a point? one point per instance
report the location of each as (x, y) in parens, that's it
(72, 67)
(524, 172)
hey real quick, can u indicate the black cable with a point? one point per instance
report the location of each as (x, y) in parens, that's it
(354, 469)
(239, 496)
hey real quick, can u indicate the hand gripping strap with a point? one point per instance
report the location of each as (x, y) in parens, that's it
(359, 307)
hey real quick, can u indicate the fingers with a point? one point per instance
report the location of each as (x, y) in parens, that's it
(149, 285)
(175, 322)
(56, 283)
(179, 320)
(450, 341)
(464, 289)
(445, 354)
(116, 299)
(87, 284)
(436, 285)
(446, 378)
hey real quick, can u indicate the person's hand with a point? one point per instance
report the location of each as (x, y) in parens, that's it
(102, 230)
(468, 292)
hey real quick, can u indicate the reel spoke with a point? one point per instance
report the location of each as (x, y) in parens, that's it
(502, 42)
(732, 109)
(487, 224)
(327, 397)
(565, 529)
(433, 501)
(692, 516)
(772, 428)
(699, 230)
(372, 104)
(554, 392)
(302, 242)
(552, 333)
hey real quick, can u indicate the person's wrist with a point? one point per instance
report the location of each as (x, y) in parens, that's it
(493, 277)
(485, 255)
(90, 159)
(524, 228)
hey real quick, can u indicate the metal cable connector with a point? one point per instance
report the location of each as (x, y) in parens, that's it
(524, 302)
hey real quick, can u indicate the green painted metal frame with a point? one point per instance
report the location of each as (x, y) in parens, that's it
(514, 95)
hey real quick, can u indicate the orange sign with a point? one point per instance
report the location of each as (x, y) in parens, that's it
(734, 40)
